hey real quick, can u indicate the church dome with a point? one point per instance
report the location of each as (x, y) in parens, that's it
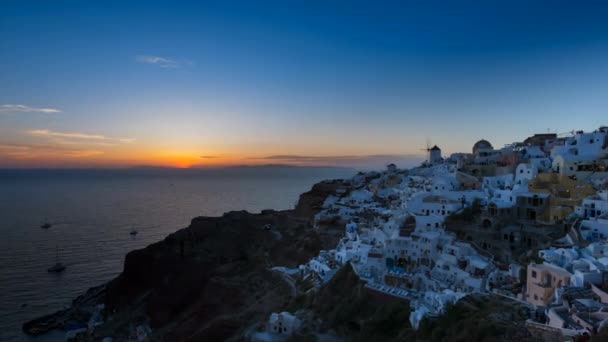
(482, 144)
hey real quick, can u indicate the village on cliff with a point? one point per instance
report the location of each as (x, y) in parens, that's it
(528, 222)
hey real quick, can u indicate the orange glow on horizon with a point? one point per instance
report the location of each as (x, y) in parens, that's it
(174, 155)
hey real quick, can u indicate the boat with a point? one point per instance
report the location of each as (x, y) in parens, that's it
(133, 232)
(46, 225)
(58, 267)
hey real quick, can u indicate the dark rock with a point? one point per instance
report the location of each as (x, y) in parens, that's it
(311, 202)
(80, 311)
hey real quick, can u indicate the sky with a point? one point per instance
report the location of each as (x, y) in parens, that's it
(348, 83)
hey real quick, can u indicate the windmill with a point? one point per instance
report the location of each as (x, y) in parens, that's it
(428, 150)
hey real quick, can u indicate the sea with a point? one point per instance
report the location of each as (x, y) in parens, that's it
(92, 213)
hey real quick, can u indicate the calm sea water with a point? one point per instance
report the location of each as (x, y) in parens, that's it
(92, 213)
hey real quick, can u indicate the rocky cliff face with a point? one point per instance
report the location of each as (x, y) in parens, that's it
(212, 280)
(311, 202)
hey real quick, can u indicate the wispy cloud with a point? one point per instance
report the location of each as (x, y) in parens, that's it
(77, 136)
(162, 61)
(304, 158)
(208, 157)
(12, 108)
(41, 151)
(78, 142)
(82, 153)
(48, 133)
(9, 147)
(374, 160)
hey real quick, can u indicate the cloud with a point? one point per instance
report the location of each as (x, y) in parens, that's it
(4, 147)
(46, 132)
(82, 153)
(208, 157)
(374, 160)
(162, 61)
(77, 142)
(42, 151)
(15, 151)
(26, 109)
(98, 138)
(304, 158)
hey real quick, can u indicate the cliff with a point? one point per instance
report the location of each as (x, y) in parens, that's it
(311, 202)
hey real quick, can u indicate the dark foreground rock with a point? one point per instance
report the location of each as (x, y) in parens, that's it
(347, 307)
(344, 307)
(478, 317)
(80, 311)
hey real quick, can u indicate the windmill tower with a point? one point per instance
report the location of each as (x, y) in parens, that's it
(433, 154)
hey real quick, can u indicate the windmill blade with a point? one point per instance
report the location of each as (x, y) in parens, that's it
(428, 150)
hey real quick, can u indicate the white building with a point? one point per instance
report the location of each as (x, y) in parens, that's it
(593, 206)
(594, 230)
(581, 154)
(283, 323)
(324, 266)
(429, 205)
(592, 145)
(525, 172)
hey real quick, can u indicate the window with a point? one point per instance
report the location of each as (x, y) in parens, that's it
(534, 274)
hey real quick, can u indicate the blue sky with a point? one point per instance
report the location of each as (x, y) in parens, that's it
(166, 82)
